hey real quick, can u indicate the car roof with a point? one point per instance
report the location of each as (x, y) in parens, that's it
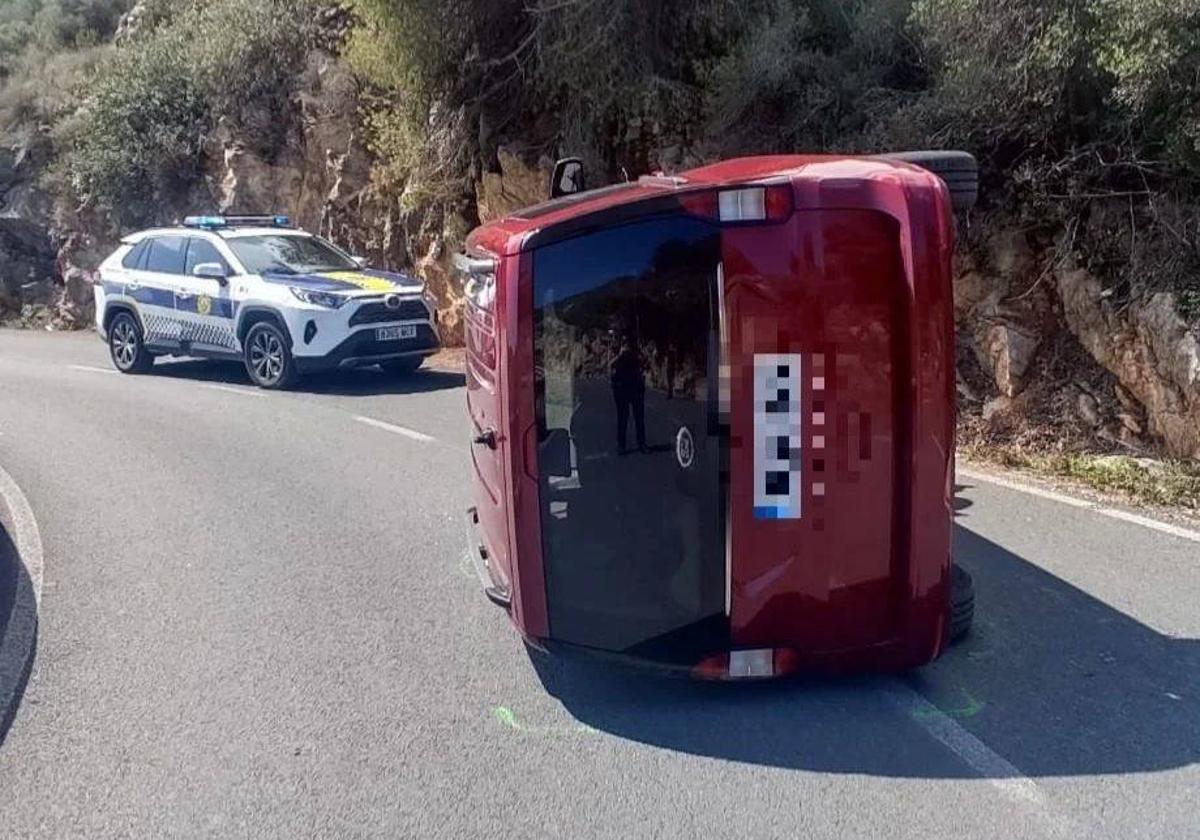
(237, 233)
(223, 233)
(500, 235)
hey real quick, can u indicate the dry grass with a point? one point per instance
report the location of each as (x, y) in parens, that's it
(1144, 481)
(1041, 432)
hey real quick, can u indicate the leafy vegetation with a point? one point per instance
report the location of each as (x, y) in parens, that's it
(1085, 113)
(52, 25)
(136, 145)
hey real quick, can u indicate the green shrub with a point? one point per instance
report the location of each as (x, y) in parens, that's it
(44, 87)
(52, 25)
(135, 148)
(813, 77)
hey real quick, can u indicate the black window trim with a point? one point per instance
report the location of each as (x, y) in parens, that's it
(133, 260)
(187, 254)
(144, 263)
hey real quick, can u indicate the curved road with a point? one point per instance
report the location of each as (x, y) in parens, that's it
(255, 622)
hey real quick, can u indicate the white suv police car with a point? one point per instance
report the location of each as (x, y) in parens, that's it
(253, 288)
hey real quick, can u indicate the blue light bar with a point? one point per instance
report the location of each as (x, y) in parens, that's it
(205, 222)
(215, 222)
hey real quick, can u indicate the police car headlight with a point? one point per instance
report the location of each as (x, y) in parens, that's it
(328, 300)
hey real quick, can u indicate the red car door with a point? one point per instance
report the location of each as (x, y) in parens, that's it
(819, 361)
(485, 406)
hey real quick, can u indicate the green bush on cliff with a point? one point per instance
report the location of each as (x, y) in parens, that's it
(136, 146)
(51, 25)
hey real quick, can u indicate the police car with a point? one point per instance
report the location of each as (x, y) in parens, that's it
(255, 289)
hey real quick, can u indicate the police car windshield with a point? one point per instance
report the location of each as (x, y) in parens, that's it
(288, 255)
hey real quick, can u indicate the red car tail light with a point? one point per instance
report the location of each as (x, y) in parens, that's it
(758, 663)
(771, 203)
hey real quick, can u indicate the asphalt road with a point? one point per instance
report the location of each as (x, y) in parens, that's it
(255, 621)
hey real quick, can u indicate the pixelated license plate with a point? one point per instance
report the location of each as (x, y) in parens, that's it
(777, 436)
(395, 333)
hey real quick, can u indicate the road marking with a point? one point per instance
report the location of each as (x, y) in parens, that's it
(16, 645)
(398, 430)
(243, 392)
(86, 369)
(992, 766)
(1112, 513)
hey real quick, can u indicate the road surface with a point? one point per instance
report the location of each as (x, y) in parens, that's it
(255, 621)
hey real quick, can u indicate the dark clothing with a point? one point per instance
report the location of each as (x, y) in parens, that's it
(637, 403)
(629, 393)
(627, 372)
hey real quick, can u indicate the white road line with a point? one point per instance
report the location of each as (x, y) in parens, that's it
(399, 430)
(1010, 782)
(17, 642)
(992, 766)
(1112, 513)
(87, 369)
(243, 392)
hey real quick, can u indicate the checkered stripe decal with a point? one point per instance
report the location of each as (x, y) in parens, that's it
(166, 328)
(160, 327)
(215, 335)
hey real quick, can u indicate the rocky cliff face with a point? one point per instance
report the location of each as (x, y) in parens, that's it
(1150, 350)
(27, 250)
(1045, 342)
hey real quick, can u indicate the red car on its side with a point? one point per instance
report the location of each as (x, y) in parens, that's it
(713, 415)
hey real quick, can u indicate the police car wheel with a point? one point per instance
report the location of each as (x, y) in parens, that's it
(403, 365)
(268, 357)
(129, 353)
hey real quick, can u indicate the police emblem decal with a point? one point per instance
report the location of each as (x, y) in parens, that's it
(203, 304)
(685, 447)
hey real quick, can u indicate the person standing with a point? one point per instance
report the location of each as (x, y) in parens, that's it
(629, 393)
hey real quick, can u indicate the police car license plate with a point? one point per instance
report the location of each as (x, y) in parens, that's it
(395, 333)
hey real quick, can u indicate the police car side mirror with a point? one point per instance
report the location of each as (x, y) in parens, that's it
(567, 178)
(212, 271)
(360, 261)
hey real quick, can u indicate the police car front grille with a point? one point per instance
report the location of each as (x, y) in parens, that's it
(378, 313)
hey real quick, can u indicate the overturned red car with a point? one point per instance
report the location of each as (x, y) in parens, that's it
(713, 415)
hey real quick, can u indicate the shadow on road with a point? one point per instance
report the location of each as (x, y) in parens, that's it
(1054, 680)
(16, 654)
(359, 382)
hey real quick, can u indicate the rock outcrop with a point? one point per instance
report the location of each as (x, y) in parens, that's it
(1005, 323)
(1150, 350)
(27, 252)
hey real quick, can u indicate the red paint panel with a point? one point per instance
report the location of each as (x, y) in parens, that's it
(827, 286)
(529, 596)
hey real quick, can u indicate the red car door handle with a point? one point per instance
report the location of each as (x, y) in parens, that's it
(486, 438)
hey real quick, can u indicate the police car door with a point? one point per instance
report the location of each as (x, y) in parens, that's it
(154, 290)
(203, 305)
